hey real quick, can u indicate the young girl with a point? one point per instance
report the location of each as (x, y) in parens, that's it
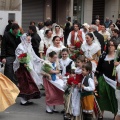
(52, 83)
(66, 64)
(72, 101)
(87, 88)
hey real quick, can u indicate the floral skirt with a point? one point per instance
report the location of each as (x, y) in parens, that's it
(27, 86)
(107, 99)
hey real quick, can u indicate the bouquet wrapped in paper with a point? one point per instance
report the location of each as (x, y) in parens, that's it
(46, 67)
(24, 58)
(117, 55)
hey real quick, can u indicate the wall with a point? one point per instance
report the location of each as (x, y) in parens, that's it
(88, 8)
(4, 19)
(112, 9)
(10, 4)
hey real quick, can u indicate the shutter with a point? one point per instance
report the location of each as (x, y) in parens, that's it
(98, 9)
(32, 10)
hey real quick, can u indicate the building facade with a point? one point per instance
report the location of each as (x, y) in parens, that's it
(59, 10)
(10, 9)
(24, 11)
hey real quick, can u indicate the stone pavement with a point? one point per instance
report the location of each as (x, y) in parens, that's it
(35, 112)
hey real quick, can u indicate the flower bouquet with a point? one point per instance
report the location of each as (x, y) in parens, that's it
(72, 80)
(24, 58)
(117, 55)
(46, 67)
(75, 54)
(77, 44)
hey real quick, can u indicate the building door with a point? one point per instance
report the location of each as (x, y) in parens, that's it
(54, 10)
(32, 10)
(98, 10)
(78, 10)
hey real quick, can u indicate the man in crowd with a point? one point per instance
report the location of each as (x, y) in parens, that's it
(116, 36)
(105, 33)
(97, 23)
(75, 36)
(8, 27)
(9, 44)
(118, 23)
(35, 39)
(107, 22)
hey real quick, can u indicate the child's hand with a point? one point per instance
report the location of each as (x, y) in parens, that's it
(25, 65)
(95, 80)
(49, 77)
(60, 77)
(73, 85)
(116, 63)
(82, 86)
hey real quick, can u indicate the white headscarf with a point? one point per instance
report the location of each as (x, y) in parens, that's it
(24, 40)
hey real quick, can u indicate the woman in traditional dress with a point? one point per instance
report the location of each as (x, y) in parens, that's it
(57, 47)
(106, 80)
(58, 31)
(45, 43)
(91, 50)
(53, 84)
(8, 92)
(28, 79)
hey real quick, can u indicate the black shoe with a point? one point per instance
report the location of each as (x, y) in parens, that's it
(63, 111)
(27, 103)
(55, 111)
(49, 112)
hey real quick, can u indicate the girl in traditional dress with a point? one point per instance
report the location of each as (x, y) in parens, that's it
(72, 95)
(91, 50)
(45, 43)
(53, 84)
(58, 31)
(28, 79)
(106, 81)
(57, 47)
(66, 64)
(87, 89)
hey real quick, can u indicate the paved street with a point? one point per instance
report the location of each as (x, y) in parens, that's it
(35, 112)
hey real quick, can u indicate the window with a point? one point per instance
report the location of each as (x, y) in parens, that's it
(11, 16)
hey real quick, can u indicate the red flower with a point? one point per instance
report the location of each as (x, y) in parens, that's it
(78, 44)
(22, 55)
(73, 57)
(70, 80)
(75, 82)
